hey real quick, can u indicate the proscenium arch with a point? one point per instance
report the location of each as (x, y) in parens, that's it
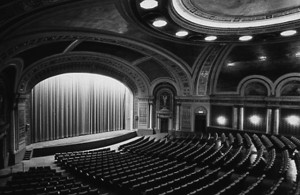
(83, 63)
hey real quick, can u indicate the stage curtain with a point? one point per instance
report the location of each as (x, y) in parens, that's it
(70, 105)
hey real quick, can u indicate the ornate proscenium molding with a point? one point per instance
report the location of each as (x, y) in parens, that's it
(79, 62)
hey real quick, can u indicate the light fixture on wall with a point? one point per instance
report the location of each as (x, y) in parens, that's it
(293, 120)
(149, 4)
(221, 120)
(255, 119)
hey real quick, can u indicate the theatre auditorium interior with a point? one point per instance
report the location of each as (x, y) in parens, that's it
(150, 97)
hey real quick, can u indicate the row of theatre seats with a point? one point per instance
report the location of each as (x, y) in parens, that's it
(213, 163)
(45, 181)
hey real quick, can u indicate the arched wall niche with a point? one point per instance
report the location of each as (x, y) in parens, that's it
(164, 107)
(288, 85)
(255, 89)
(291, 88)
(255, 85)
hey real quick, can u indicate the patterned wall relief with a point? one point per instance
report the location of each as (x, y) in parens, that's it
(203, 79)
(186, 118)
(143, 114)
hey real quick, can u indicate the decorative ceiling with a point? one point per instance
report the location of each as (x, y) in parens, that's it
(243, 8)
(221, 21)
(237, 13)
(156, 42)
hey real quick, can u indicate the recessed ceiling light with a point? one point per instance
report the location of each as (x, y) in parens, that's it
(182, 33)
(149, 4)
(245, 38)
(159, 23)
(210, 38)
(288, 33)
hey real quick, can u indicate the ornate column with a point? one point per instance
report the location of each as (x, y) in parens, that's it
(178, 116)
(276, 121)
(235, 117)
(150, 113)
(269, 120)
(241, 117)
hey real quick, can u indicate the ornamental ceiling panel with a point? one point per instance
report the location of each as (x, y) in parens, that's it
(243, 8)
(237, 13)
(153, 70)
(97, 15)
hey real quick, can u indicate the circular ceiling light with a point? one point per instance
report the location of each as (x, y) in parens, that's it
(245, 38)
(210, 38)
(149, 4)
(288, 33)
(182, 33)
(159, 23)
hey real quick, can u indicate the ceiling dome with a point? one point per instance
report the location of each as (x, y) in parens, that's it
(236, 14)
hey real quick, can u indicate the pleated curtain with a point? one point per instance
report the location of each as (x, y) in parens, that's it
(70, 105)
